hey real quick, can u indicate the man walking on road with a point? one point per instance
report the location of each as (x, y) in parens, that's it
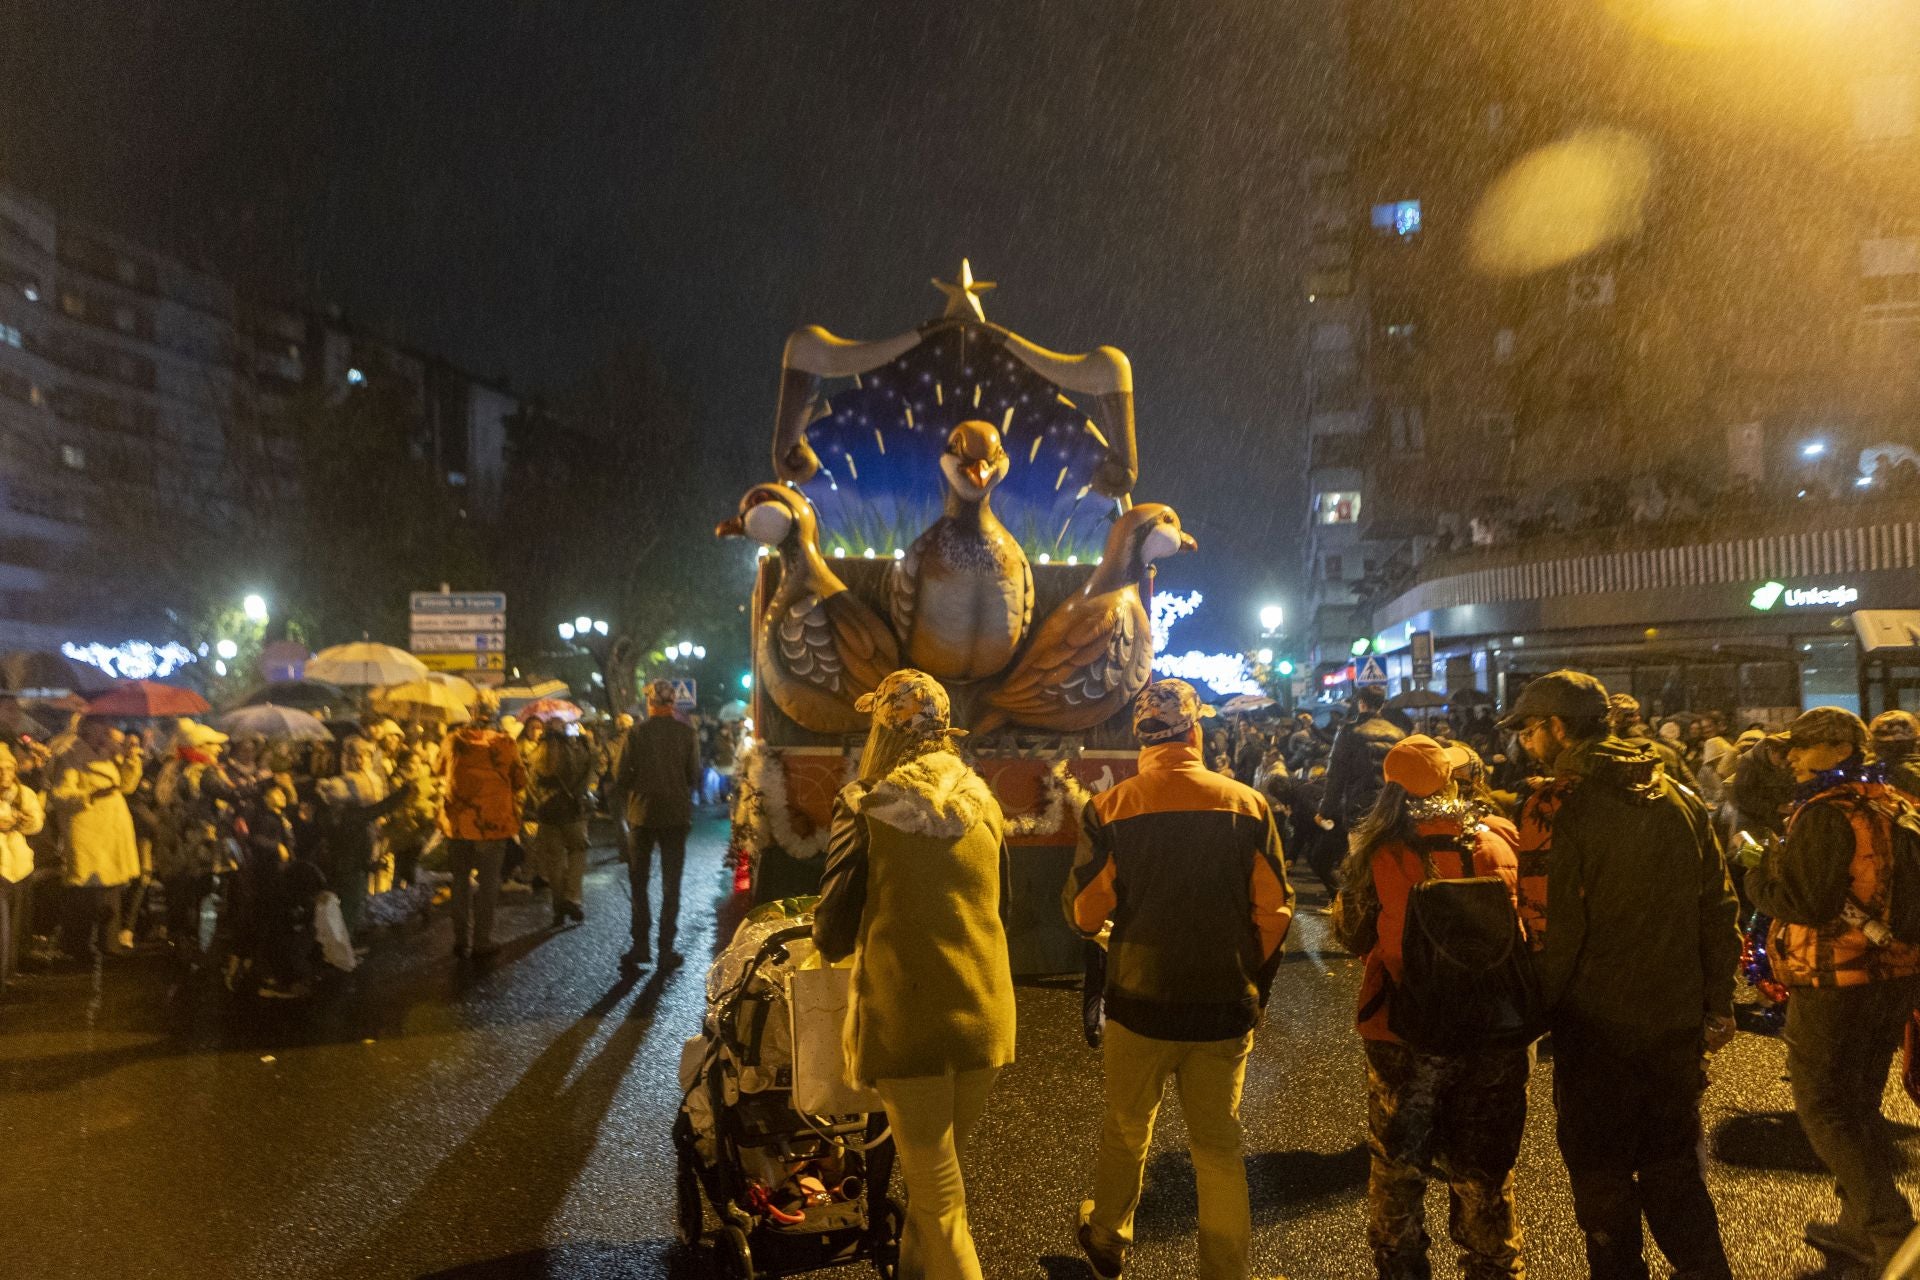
(1187, 866)
(1828, 886)
(1636, 967)
(479, 814)
(562, 769)
(1354, 765)
(659, 768)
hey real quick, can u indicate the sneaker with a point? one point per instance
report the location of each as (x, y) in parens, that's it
(1105, 1260)
(578, 912)
(1837, 1241)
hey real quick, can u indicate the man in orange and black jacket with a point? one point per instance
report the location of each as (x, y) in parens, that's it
(1187, 867)
(1828, 886)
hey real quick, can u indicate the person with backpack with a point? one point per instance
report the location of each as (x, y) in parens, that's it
(1446, 1046)
(557, 799)
(1843, 945)
(1186, 866)
(1623, 883)
(1353, 766)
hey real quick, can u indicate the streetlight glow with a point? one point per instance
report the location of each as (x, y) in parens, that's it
(583, 624)
(255, 607)
(746, 680)
(699, 651)
(227, 649)
(1271, 616)
(1813, 449)
(1265, 656)
(599, 627)
(566, 631)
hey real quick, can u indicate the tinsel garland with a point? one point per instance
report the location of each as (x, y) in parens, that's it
(1060, 787)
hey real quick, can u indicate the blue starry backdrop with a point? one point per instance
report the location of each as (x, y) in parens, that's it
(883, 434)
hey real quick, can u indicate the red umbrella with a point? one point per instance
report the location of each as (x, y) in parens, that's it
(550, 709)
(147, 699)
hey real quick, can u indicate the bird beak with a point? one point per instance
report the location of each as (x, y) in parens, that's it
(1187, 541)
(734, 528)
(978, 473)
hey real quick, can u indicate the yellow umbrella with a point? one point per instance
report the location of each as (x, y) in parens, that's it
(468, 693)
(423, 700)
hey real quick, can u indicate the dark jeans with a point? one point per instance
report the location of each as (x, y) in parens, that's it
(92, 923)
(15, 924)
(1840, 1043)
(673, 860)
(185, 896)
(1629, 1130)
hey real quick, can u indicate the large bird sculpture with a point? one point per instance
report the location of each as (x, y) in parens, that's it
(820, 646)
(962, 597)
(1094, 653)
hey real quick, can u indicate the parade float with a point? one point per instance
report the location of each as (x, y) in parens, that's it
(957, 499)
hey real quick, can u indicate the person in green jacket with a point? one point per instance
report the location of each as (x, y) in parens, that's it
(916, 891)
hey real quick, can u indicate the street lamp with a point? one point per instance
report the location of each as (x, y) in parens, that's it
(255, 607)
(567, 631)
(1265, 656)
(1271, 617)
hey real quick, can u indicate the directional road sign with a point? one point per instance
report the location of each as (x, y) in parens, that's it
(464, 661)
(458, 642)
(459, 622)
(459, 601)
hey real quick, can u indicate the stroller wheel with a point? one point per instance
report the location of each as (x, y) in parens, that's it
(690, 1215)
(736, 1257)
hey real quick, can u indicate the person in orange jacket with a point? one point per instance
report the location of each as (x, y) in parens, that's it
(1458, 1116)
(480, 812)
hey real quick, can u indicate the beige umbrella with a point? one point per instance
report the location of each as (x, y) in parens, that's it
(364, 663)
(465, 688)
(423, 699)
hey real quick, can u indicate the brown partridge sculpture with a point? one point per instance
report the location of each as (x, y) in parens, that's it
(1094, 653)
(820, 646)
(962, 597)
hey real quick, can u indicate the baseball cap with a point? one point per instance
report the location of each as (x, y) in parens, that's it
(1820, 725)
(1567, 694)
(1165, 710)
(1420, 765)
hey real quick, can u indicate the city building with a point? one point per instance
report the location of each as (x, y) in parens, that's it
(133, 389)
(1613, 328)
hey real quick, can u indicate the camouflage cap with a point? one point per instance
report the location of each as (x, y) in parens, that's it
(1165, 710)
(1823, 725)
(909, 701)
(1895, 726)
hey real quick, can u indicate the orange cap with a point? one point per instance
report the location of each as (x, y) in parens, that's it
(1419, 764)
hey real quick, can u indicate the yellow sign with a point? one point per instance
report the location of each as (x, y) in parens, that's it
(464, 661)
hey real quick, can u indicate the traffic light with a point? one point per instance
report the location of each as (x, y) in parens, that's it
(1285, 667)
(1361, 646)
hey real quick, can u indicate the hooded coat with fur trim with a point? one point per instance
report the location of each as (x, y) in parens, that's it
(916, 890)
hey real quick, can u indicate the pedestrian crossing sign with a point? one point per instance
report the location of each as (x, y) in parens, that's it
(683, 693)
(1370, 672)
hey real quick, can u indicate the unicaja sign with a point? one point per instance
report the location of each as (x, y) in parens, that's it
(1769, 594)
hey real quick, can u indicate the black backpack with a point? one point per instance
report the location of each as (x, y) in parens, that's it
(1467, 982)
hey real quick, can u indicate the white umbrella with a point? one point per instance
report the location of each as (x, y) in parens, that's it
(365, 663)
(423, 700)
(733, 712)
(264, 720)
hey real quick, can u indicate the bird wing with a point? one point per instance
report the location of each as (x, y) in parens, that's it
(1026, 614)
(1081, 656)
(807, 650)
(903, 589)
(867, 648)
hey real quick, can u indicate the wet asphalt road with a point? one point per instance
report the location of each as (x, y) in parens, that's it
(433, 1122)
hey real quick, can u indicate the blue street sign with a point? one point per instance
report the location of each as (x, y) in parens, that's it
(683, 693)
(458, 601)
(1370, 672)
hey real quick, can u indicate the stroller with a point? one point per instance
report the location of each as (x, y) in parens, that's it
(793, 1191)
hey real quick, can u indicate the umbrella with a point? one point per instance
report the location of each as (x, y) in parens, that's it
(145, 700)
(265, 720)
(365, 663)
(469, 694)
(1416, 698)
(533, 689)
(423, 700)
(43, 669)
(733, 712)
(1469, 698)
(305, 695)
(550, 709)
(1245, 703)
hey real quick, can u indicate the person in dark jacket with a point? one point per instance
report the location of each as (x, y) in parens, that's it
(1353, 768)
(1896, 746)
(1828, 886)
(1187, 867)
(1763, 789)
(1623, 884)
(659, 769)
(1624, 723)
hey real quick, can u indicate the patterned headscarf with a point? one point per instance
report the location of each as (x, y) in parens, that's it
(911, 702)
(1165, 710)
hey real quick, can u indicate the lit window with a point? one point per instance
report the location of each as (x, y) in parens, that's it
(74, 457)
(1339, 507)
(1397, 217)
(9, 335)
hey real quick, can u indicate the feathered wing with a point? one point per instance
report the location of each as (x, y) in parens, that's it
(804, 634)
(1026, 612)
(903, 590)
(1084, 662)
(868, 651)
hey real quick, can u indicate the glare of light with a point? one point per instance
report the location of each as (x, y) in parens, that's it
(1167, 610)
(1073, 559)
(599, 627)
(33, 294)
(1045, 558)
(219, 668)
(1813, 449)
(870, 553)
(1561, 202)
(1862, 482)
(746, 679)
(1361, 645)
(839, 553)
(760, 552)
(1286, 667)
(1271, 616)
(699, 651)
(598, 678)
(133, 660)
(899, 554)
(1265, 656)
(227, 649)
(355, 377)
(255, 607)
(685, 648)
(583, 624)
(566, 631)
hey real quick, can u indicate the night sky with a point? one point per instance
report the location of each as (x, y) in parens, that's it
(527, 187)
